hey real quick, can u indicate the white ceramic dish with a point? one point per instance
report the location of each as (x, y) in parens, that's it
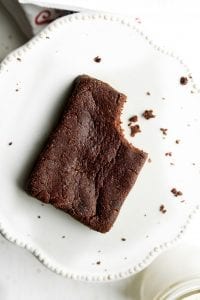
(34, 80)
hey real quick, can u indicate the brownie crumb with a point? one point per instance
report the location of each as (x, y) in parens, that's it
(149, 160)
(98, 262)
(193, 164)
(19, 59)
(148, 93)
(177, 141)
(129, 124)
(97, 59)
(134, 130)
(42, 204)
(47, 37)
(63, 237)
(145, 215)
(176, 193)
(163, 209)
(164, 131)
(16, 90)
(168, 154)
(183, 80)
(163, 98)
(123, 239)
(172, 164)
(148, 114)
(133, 119)
(9, 144)
(182, 201)
(38, 217)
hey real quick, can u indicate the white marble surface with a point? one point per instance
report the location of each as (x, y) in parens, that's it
(21, 275)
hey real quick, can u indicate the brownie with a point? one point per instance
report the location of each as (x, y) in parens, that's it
(87, 168)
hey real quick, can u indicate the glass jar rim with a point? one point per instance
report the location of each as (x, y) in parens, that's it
(181, 289)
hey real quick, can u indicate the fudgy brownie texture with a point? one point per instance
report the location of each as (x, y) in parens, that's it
(87, 167)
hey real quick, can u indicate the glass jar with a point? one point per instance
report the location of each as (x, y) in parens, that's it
(174, 275)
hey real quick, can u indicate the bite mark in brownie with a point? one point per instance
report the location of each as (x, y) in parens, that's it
(87, 168)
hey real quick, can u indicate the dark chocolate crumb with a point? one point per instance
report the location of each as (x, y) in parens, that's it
(149, 160)
(183, 80)
(148, 114)
(164, 131)
(182, 201)
(17, 90)
(98, 262)
(145, 215)
(163, 98)
(134, 130)
(148, 93)
(176, 193)
(177, 141)
(97, 59)
(38, 217)
(190, 76)
(168, 154)
(172, 164)
(19, 59)
(129, 124)
(63, 237)
(123, 239)
(9, 144)
(133, 119)
(193, 164)
(47, 37)
(162, 209)
(42, 204)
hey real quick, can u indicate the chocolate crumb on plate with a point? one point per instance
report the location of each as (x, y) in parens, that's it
(63, 237)
(148, 114)
(183, 80)
(176, 193)
(172, 164)
(123, 239)
(168, 154)
(177, 141)
(164, 131)
(97, 59)
(163, 98)
(134, 130)
(162, 209)
(19, 59)
(38, 217)
(16, 90)
(149, 160)
(10, 143)
(133, 119)
(98, 262)
(148, 93)
(47, 37)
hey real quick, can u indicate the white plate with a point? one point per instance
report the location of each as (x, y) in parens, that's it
(33, 83)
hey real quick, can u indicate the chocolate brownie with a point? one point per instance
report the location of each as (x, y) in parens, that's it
(87, 167)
